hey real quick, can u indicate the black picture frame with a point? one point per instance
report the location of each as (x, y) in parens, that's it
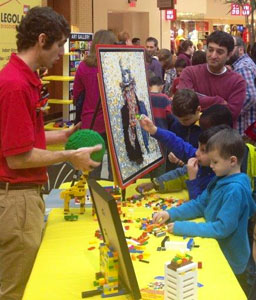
(113, 235)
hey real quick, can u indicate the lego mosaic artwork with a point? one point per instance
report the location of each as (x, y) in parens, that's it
(125, 98)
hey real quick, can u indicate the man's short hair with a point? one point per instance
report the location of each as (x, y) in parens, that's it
(41, 20)
(221, 38)
(207, 134)
(239, 42)
(155, 80)
(185, 102)
(216, 114)
(152, 39)
(228, 142)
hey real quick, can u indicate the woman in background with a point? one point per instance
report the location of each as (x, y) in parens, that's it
(86, 81)
(167, 61)
(186, 50)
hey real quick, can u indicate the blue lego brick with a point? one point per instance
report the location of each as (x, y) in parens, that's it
(190, 244)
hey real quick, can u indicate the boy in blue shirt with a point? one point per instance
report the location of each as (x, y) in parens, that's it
(196, 175)
(226, 204)
(186, 110)
(198, 170)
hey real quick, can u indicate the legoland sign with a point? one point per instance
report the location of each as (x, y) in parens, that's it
(11, 14)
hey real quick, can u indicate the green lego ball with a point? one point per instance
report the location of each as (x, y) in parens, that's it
(87, 138)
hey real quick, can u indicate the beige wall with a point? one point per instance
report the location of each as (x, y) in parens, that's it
(81, 16)
(217, 9)
(136, 23)
(192, 6)
(121, 6)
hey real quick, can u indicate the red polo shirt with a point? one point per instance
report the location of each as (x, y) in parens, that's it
(21, 125)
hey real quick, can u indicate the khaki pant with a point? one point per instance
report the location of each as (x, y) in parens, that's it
(21, 227)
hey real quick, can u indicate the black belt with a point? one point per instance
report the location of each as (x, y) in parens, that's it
(19, 186)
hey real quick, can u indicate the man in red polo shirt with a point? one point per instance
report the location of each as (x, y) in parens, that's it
(23, 156)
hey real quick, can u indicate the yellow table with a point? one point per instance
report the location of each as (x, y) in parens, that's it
(65, 267)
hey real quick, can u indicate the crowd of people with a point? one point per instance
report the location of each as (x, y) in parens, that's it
(203, 102)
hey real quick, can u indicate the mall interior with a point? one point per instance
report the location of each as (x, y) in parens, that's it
(116, 232)
(141, 19)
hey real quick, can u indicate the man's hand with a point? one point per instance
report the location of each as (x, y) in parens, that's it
(192, 168)
(71, 130)
(145, 187)
(170, 227)
(81, 159)
(60, 136)
(174, 159)
(148, 125)
(161, 217)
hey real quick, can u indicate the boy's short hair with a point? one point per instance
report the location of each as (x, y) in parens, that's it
(180, 63)
(41, 20)
(164, 54)
(222, 39)
(185, 102)
(155, 80)
(216, 114)
(208, 133)
(135, 40)
(228, 142)
(198, 58)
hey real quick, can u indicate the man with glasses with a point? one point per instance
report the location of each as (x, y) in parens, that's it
(244, 65)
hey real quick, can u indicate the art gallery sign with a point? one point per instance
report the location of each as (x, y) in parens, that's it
(11, 14)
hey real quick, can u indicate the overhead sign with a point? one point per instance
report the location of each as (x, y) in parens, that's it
(235, 9)
(246, 9)
(170, 15)
(165, 4)
(11, 14)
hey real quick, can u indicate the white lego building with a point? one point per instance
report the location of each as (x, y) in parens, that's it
(182, 283)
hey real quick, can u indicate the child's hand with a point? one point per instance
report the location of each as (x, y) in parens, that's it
(192, 168)
(161, 217)
(145, 187)
(148, 125)
(170, 227)
(174, 159)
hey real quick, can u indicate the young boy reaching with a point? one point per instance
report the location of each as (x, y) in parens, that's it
(226, 204)
(197, 173)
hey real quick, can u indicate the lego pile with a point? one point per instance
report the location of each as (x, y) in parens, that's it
(180, 260)
(154, 290)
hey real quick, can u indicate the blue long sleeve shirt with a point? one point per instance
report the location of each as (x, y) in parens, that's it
(183, 151)
(189, 134)
(226, 205)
